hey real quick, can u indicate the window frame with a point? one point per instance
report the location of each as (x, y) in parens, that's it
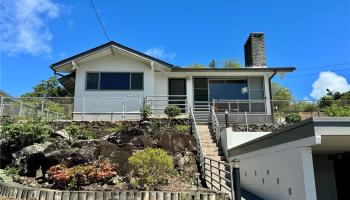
(99, 81)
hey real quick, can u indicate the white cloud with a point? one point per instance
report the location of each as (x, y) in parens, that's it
(24, 26)
(159, 52)
(329, 80)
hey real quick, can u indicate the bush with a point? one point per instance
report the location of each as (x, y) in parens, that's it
(11, 171)
(293, 118)
(183, 128)
(146, 112)
(79, 175)
(172, 111)
(150, 167)
(336, 110)
(26, 132)
(77, 132)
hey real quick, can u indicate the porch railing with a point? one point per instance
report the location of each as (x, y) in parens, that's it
(159, 103)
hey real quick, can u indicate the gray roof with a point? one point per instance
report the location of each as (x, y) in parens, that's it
(307, 128)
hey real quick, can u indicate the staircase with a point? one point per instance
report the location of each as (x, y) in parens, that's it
(201, 112)
(210, 148)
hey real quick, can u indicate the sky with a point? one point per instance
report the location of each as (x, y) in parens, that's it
(312, 36)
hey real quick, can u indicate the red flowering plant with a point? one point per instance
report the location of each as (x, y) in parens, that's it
(79, 175)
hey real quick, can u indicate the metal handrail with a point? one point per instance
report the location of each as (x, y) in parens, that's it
(200, 154)
(215, 126)
(219, 177)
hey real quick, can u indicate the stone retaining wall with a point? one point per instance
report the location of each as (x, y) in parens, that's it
(27, 193)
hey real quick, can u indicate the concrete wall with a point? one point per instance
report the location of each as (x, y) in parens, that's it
(231, 139)
(280, 172)
(324, 178)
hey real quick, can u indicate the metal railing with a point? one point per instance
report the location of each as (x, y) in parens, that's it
(276, 111)
(200, 154)
(215, 125)
(159, 103)
(218, 175)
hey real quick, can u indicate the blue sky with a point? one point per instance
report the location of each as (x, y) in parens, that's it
(310, 35)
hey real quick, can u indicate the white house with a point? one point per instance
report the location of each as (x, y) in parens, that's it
(113, 80)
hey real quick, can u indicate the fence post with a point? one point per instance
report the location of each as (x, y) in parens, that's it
(1, 105)
(235, 180)
(42, 105)
(82, 114)
(20, 109)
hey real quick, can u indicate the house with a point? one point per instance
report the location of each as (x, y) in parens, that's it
(308, 160)
(112, 81)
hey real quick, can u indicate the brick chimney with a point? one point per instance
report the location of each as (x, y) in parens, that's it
(254, 50)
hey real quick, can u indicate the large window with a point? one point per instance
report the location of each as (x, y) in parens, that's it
(228, 89)
(114, 81)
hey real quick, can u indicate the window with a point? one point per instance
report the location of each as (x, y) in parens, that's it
(228, 89)
(92, 80)
(136, 81)
(114, 81)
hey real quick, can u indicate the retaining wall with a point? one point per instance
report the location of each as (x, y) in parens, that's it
(27, 193)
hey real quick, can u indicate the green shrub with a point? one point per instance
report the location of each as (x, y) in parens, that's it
(336, 110)
(146, 112)
(11, 171)
(172, 111)
(150, 167)
(116, 128)
(293, 118)
(77, 132)
(183, 128)
(26, 132)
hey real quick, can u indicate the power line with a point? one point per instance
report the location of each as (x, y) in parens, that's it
(322, 66)
(99, 19)
(313, 74)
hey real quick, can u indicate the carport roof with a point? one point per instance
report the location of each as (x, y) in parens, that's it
(318, 126)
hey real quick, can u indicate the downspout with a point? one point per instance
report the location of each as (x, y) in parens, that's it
(270, 88)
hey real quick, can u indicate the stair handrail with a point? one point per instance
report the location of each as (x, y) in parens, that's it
(215, 125)
(200, 154)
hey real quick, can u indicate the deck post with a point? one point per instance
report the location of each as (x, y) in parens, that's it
(226, 119)
(235, 180)
(1, 105)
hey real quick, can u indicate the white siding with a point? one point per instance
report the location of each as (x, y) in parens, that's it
(101, 101)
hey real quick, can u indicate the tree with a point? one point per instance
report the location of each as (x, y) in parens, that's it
(212, 64)
(196, 66)
(231, 64)
(281, 96)
(48, 88)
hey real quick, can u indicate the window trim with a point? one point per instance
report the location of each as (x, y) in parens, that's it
(99, 81)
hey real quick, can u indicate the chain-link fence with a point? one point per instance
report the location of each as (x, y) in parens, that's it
(49, 108)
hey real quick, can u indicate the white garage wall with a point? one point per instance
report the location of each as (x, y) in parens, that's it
(281, 172)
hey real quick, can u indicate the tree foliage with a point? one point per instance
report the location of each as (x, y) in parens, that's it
(48, 88)
(281, 96)
(212, 64)
(231, 64)
(196, 66)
